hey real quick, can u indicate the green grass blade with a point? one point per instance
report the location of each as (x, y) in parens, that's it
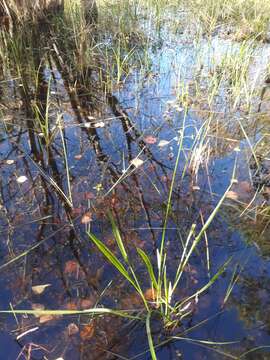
(149, 267)
(149, 336)
(208, 285)
(118, 238)
(93, 311)
(111, 258)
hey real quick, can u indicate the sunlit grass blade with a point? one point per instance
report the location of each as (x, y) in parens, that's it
(93, 311)
(149, 337)
(149, 267)
(118, 238)
(111, 258)
(207, 286)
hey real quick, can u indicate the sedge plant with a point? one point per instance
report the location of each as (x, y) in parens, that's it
(163, 288)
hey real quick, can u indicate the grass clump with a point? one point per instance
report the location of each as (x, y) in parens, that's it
(242, 19)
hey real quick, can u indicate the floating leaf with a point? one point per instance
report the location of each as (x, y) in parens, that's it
(46, 318)
(39, 289)
(150, 294)
(72, 329)
(86, 303)
(232, 195)
(137, 162)
(245, 186)
(71, 306)
(38, 307)
(100, 124)
(89, 195)
(87, 217)
(163, 143)
(21, 179)
(78, 157)
(150, 139)
(87, 332)
(71, 267)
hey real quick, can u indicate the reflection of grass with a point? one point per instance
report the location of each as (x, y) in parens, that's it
(122, 47)
(161, 301)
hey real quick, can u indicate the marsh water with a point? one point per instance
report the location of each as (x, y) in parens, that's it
(121, 149)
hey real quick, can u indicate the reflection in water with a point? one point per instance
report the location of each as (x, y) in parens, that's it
(62, 111)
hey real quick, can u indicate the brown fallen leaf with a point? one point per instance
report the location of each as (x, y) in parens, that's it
(71, 267)
(131, 301)
(232, 195)
(71, 306)
(86, 303)
(37, 307)
(72, 329)
(150, 139)
(39, 289)
(78, 157)
(245, 186)
(87, 218)
(89, 195)
(150, 294)
(46, 318)
(87, 331)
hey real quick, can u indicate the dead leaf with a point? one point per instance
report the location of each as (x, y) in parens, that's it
(232, 195)
(21, 179)
(88, 331)
(131, 301)
(72, 329)
(245, 186)
(37, 307)
(71, 306)
(150, 139)
(87, 217)
(163, 143)
(136, 162)
(71, 267)
(78, 157)
(150, 294)
(99, 124)
(46, 318)
(86, 303)
(39, 289)
(89, 195)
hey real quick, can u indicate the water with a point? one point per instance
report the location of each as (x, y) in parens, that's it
(141, 119)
